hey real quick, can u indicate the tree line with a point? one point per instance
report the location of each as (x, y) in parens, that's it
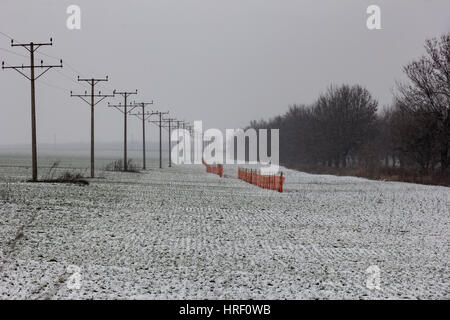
(344, 127)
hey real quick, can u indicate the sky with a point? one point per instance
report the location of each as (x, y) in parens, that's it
(224, 62)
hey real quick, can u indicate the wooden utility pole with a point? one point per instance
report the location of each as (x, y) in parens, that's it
(32, 47)
(184, 140)
(143, 116)
(159, 124)
(92, 82)
(169, 121)
(190, 129)
(125, 95)
(178, 137)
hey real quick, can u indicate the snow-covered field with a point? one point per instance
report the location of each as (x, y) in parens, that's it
(182, 233)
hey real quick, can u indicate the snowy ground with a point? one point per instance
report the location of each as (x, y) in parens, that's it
(182, 233)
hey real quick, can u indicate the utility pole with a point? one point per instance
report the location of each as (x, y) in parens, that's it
(184, 140)
(189, 128)
(160, 134)
(92, 82)
(169, 121)
(178, 137)
(125, 95)
(143, 116)
(32, 47)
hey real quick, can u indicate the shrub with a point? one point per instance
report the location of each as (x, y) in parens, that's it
(118, 166)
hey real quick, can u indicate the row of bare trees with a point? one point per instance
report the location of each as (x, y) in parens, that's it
(345, 128)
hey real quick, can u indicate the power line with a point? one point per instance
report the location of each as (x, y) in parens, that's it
(2, 33)
(69, 78)
(77, 72)
(52, 57)
(40, 80)
(39, 52)
(53, 86)
(12, 52)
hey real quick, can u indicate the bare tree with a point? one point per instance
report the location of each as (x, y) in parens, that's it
(427, 95)
(346, 121)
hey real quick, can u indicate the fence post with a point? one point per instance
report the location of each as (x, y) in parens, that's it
(258, 179)
(281, 182)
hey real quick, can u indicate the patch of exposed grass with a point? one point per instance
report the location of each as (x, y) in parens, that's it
(118, 166)
(5, 192)
(67, 177)
(54, 175)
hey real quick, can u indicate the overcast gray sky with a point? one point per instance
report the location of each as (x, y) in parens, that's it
(225, 62)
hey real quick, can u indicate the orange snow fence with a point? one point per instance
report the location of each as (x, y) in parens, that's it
(272, 182)
(216, 169)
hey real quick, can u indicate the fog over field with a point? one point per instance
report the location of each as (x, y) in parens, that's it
(223, 62)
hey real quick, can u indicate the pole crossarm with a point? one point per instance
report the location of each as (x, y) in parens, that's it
(142, 104)
(125, 93)
(119, 106)
(144, 115)
(41, 66)
(179, 122)
(101, 96)
(32, 47)
(92, 82)
(157, 122)
(86, 95)
(167, 123)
